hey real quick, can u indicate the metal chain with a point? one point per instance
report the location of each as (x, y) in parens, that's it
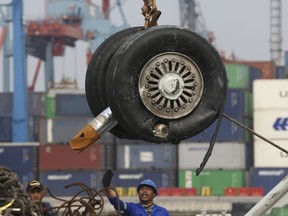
(151, 13)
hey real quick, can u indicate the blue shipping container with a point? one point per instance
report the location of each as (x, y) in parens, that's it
(57, 180)
(6, 104)
(60, 129)
(33, 122)
(238, 103)
(72, 105)
(228, 132)
(130, 178)
(255, 73)
(281, 72)
(267, 178)
(26, 177)
(19, 157)
(147, 156)
(37, 104)
(6, 128)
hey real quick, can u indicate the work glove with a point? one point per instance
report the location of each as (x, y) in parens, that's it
(107, 177)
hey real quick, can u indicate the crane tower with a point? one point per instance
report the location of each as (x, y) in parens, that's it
(275, 31)
(192, 19)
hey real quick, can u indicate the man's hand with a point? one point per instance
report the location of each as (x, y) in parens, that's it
(107, 177)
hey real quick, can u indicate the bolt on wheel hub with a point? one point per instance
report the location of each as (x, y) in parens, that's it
(171, 85)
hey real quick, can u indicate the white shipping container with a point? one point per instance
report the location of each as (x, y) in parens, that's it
(270, 94)
(266, 155)
(272, 124)
(225, 155)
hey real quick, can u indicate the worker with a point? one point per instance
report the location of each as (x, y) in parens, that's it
(147, 191)
(35, 192)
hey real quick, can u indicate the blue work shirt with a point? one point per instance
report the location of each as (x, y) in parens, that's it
(47, 211)
(136, 209)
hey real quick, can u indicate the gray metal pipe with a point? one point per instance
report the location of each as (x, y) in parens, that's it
(270, 199)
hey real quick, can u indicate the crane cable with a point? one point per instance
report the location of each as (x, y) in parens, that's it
(254, 133)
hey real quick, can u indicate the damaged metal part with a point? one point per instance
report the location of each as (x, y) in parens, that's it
(94, 130)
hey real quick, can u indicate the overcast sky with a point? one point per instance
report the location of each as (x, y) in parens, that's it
(240, 26)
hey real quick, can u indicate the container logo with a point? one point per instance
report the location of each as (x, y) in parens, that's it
(59, 177)
(281, 124)
(271, 172)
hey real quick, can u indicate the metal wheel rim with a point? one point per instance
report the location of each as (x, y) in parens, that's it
(171, 85)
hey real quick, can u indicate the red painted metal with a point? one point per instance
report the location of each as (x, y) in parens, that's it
(257, 191)
(243, 191)
(2, 36)
(60, 34)
(175, 191)
(164, 191)
(230, 191)
(190, 191)
(106, 8)
(88, 56)
(32, 87)
(62, 157)
(53, 28)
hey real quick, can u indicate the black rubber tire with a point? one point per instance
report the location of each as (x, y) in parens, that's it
(123, 75)
(95, 79)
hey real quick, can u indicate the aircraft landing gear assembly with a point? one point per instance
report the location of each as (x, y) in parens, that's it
(162, 84)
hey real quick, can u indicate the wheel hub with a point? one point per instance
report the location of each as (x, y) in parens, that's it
(171, 85)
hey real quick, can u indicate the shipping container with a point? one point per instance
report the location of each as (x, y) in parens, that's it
(56, 181)
(60, 129)
(21, 157)
(272, 124)
(211, 182)
(37, 104)
(26, 177)
(266, 155)
(51, 99)
(6, 129)
(267, 68)
(268, 177)
(270, 94)
(147, 156)
(33, 122)
(281, 72)
(62, 157)
(6, 103)
(110, 156)
(131, 178)
(241, 76)
(50, 107)
(238, 102)
(228, 131)
(72, 105)
(225, 155)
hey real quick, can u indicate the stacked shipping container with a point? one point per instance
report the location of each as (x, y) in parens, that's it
(56, 117)
(139, 160)
(271, 121)
(232, 154)
(21, 158)
(67, 112)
